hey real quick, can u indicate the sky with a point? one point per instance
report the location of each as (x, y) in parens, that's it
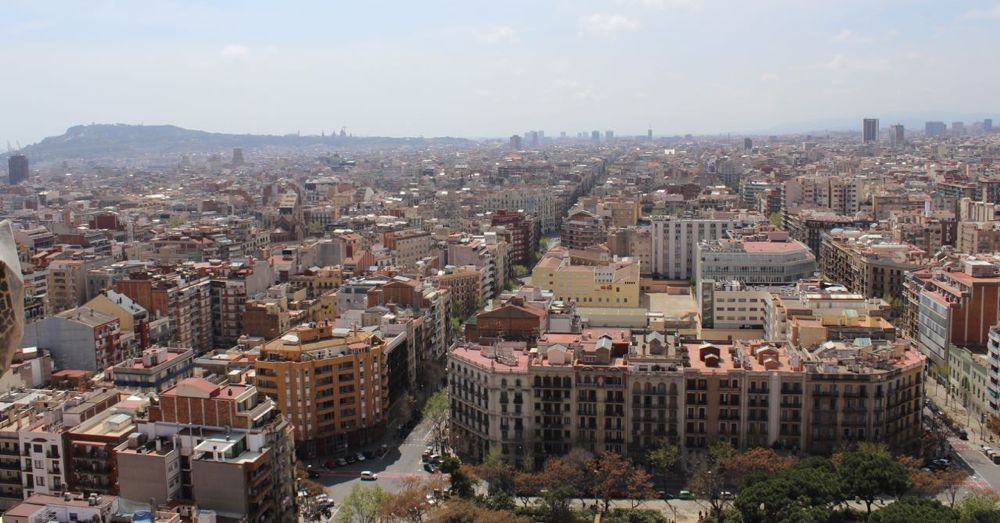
(489, 69)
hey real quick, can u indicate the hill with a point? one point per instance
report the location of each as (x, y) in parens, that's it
(133, 141)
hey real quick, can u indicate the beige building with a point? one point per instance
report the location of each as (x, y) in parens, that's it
(613, 283)
(602, 390)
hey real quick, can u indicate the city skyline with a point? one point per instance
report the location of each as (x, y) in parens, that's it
(488, 72)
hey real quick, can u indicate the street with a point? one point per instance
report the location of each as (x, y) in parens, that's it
(401, 462)
(986, 474)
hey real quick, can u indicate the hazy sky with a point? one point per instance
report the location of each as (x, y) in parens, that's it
(470, 68)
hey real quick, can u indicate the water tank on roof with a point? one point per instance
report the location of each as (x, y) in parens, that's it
(142, 516)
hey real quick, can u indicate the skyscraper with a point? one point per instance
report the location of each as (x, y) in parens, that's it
(595, 136)
(988, 125)
(17, 168)
(533, 137)
(935, 128)
(609, 135)
(747, 144)
(649, 135)
(237, 156)
(869, 130)
(897, 137)
(515, 142)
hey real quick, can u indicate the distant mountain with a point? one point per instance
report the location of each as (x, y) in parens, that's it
(133, 141)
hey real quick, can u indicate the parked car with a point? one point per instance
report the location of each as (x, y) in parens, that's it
(963, 435)
(352, 459)
(341, 462)
(311, 472)
(359, 456)
(429, 467)
(368, 454)
(368, 475)
(685, 494)
(330, 464)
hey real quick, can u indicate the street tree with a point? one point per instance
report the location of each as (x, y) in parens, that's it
(664, 457)
(869, 473)
(952, 481)
(436, 410)
(808, 491)
(527, 485)
(465, 511)
(362, 505)
(499, 477)
(910, 509)
(461, 477)
(980, 506)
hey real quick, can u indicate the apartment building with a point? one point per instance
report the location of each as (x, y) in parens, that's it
(978, 237)
(871, 264)
(582, 229)
(808, 225)
(525, 231)
(222, 447)
(79, 338)
(331, 384)
(956, 305)
(540, 201)
(633, 242)
(185, 298)
(601, 392)
(67, 282)
(469, 286)
(408, 247)
(232, 284)
(158, 369)
(675, 239)
(609, 284)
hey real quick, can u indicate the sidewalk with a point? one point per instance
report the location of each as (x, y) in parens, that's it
(953, 408)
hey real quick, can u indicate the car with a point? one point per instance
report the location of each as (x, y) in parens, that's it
(963, 435)
(986, 449)
(925, 469)
(330, 464)
(368, 454)
(685, 494)
(359, 456)
(352, 459)
(431, 500)
(311, 472)
(341, 462)
(368, 475)
(429, 467)
(725, 494)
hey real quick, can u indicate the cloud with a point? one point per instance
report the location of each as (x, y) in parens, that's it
(768, 77)
(837, 63)
(850, 37)
(667, 4)
(497, 35)
(991, 13)
(608, 24)
(235, 51)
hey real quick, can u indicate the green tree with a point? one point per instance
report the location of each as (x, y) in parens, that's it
(664, 457)
(362, 504)
(499, 477)
(910, 509)
(436, 410)
(520, 271)
(869, 473)
(776, 218)
(808, 491)
(980, 507)
(461, 480)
